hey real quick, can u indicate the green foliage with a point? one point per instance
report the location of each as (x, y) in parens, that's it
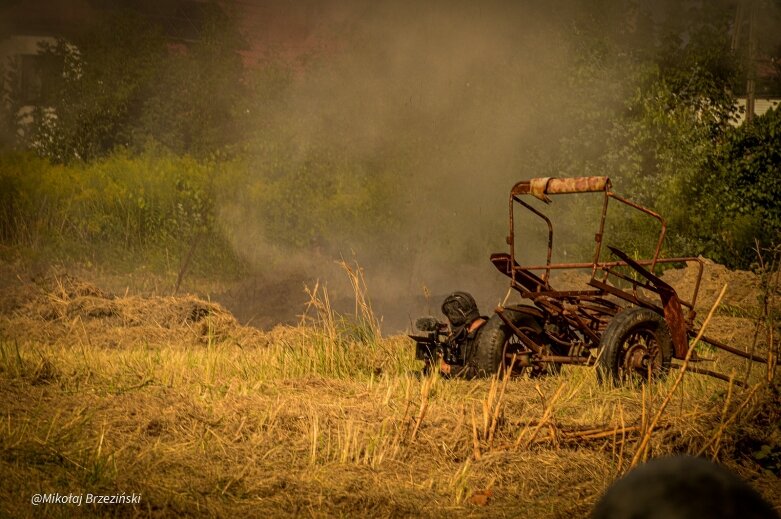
(320, 201)
(198, 102)
(150, 209)
(94, 87)
(669, 143)
(120, 85)
(744, 183)
(151, 148)
(124, 211)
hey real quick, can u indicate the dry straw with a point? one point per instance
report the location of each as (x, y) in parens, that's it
(322, 419)
(642, 448)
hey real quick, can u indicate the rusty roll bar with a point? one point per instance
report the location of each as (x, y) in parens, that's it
(539, 187)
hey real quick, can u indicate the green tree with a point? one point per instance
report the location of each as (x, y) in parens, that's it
(95, 85)
(121, 84)
(741, 193)
(199, 101)
(653, 113)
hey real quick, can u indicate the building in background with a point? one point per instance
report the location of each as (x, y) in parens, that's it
(767, 93)
(26, 24)
(761, 106)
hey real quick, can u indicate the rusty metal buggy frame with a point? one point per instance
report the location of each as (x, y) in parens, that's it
(627, 319)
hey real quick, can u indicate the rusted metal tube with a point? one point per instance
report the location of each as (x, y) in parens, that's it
(722, 346)
(600, 233)
(563, 359)
(536, 348)
(560, 186)
(653, 214)
(701, 265)
(546, 275)
(604, 264)
(714, 374)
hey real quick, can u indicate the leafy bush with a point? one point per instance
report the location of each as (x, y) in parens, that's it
(740, 193)
(119, 84)
(125, 210)
(666, 139)
(256, 158)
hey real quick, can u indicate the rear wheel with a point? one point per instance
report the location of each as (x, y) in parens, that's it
(497, 343)
(636, 345)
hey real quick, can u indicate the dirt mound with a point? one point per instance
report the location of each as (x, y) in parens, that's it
(743, 287)
(743, 294)
(64, 308)
(570, 279)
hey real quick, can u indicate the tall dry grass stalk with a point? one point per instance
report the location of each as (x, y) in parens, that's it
(717, 436)
(642, 448)
(326, 419)
(770, 277)
(364, 313)
(546, 415)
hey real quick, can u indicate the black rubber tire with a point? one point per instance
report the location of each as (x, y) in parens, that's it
(489, 353)
(638, 325)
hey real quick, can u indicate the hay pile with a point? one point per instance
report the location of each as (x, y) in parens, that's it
(62, 308)
(309, 426)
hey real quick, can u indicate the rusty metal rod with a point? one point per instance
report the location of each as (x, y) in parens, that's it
(625, 296)
(564, 359)
(714, 374)
(546, 275)
(536, 348)
(581, 294)
(603, 264)
(652, 214)
(521, 361)
(722, 346)
(557, 359)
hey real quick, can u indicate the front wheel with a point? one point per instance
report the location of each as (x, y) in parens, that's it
(497, 341)
(635, 345)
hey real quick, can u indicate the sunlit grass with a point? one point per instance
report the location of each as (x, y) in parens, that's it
(330, 418)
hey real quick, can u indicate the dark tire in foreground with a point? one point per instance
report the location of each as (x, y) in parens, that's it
(636, 341)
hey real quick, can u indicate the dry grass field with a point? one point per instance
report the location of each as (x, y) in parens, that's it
(170, 398)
